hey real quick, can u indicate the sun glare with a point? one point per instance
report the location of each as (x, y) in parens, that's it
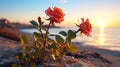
(102, 25)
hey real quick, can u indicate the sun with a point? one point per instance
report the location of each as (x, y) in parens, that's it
(102, 25)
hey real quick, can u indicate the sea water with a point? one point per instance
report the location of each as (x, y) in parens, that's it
(107, 38)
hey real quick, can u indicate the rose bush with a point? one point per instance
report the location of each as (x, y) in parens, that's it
(43, 46)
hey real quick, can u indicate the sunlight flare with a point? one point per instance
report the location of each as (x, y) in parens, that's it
(102, 25)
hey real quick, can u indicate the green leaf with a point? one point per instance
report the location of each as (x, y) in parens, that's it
(42, 23)
(53, 46)
(33, 64)
(52, 35)
(71, 34)
(34, 23)
(53, 56)
(27, 59)
(44, 29)
(72, 49)
(63, 33)
(36, 34)
(78, 20)
(68, 41)
(42, 52)
(27, 48)
(25, 65)
(20, 55)
(59, 39)
(77, 25)
(46, 18)
(25, 39)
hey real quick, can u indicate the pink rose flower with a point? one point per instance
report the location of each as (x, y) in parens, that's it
(85, 27)
(56, 14)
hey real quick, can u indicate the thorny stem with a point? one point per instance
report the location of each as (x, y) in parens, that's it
(47, 34)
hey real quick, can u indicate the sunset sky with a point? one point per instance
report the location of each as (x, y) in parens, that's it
(100, 12)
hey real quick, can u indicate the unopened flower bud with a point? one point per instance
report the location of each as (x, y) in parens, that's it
(39, 19)
(82, 19)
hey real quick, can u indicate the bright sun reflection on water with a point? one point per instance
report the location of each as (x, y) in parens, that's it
(101, 36)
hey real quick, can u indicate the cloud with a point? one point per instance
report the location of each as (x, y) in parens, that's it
(62, 1)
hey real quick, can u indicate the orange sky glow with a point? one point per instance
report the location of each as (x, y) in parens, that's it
(107, 11)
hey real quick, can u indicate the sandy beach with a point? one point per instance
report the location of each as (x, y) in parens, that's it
(113, 56)
(9, 48)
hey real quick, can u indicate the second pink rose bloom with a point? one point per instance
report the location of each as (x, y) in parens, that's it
(85, 27)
